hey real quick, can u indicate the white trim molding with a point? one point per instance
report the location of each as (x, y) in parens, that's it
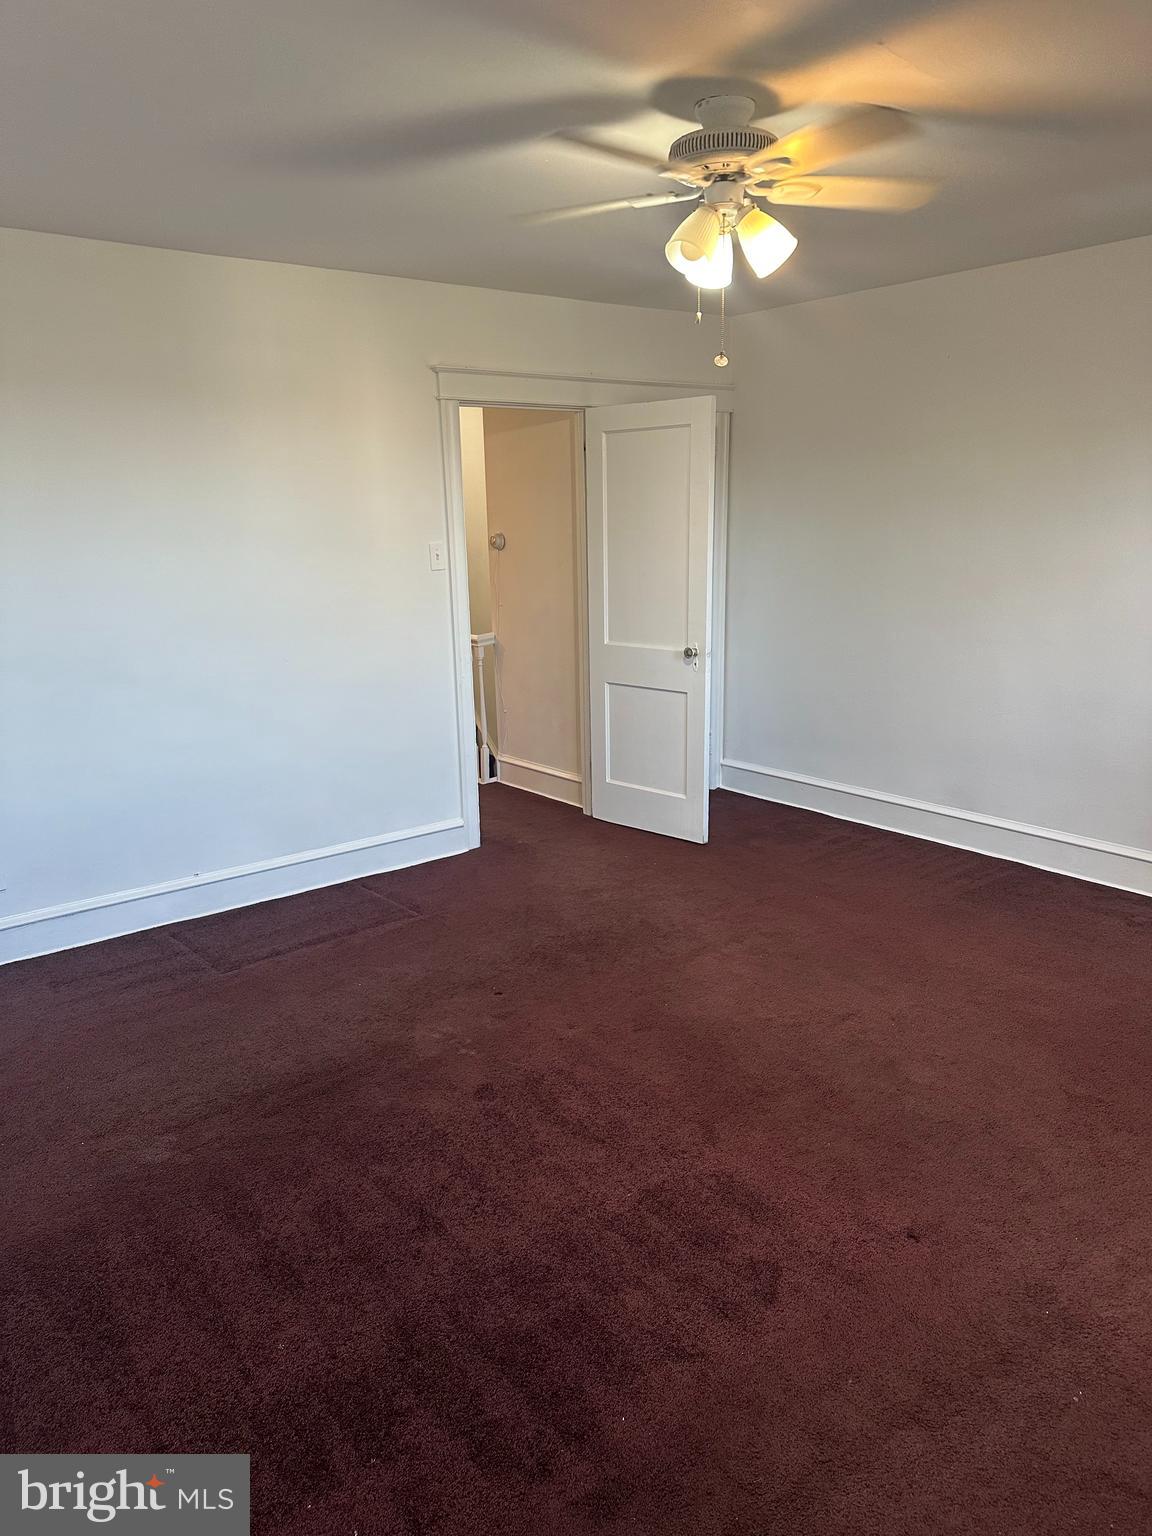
(486, 386)
(718, 636)
(1061, 853)
(462, 674)
(539, 779)
(95, 918)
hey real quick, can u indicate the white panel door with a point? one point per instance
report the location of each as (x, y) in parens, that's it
(651, 473)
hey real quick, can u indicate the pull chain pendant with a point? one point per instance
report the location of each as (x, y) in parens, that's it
(721, 358)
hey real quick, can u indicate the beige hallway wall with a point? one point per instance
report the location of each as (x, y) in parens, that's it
(530, 471)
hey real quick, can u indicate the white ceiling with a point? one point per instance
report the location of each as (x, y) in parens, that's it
(406, 136)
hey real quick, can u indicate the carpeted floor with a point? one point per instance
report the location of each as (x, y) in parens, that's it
(594, 1182)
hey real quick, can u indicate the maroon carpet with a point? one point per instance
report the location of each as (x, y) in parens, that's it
(599, 1183)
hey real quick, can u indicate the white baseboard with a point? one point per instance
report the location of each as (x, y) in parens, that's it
(1062, 853)
(89, 921)
(539, 779)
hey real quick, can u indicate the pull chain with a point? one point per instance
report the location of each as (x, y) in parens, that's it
(699, 307)
(721, 358)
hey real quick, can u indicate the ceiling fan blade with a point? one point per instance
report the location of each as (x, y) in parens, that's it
(448, 135)
(821, 144)
(873, 194)
(615, 152)
(582, 210)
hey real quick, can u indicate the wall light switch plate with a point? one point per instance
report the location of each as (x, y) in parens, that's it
(437, 560)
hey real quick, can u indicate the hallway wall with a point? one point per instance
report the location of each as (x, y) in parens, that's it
(530, 461)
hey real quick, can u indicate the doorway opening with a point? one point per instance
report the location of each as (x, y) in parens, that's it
(639, 549)
(523, 512)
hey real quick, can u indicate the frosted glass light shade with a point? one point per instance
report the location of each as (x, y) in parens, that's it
(713, 271)
(765, 243)
(694, 240)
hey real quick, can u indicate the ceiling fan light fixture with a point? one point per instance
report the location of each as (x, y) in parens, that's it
(765, 242)
(694, 241)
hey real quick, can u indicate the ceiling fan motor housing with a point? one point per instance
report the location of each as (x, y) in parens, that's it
(720, 149)
(725, 143)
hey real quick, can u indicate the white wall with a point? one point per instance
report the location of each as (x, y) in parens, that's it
(530, 464)
(941, 551)
(221, 642)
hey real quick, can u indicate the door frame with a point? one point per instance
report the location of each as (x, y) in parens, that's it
(469, 386)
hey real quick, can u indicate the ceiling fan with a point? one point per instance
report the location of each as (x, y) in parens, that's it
(733, 166)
